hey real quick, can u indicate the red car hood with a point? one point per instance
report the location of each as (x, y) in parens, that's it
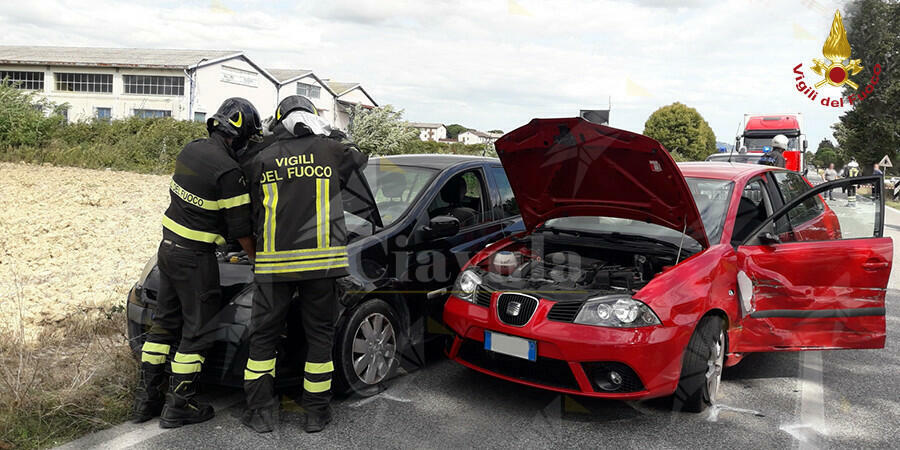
(571, 167)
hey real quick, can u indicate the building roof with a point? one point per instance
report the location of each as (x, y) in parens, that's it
(340, 87)
(425, 125)
(481, 134)
(110, 57)
(286, 75)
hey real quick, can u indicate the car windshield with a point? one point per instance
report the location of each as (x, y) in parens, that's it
(395, 187)
(710, 195)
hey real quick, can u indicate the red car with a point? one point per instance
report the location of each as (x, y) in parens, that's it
(639, 278)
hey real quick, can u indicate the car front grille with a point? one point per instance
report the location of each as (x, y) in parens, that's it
(483, 297)
(544, 371)
(516, 309)
(599, 375)
(565, 311)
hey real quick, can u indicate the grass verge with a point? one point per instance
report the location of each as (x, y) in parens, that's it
(76, 377)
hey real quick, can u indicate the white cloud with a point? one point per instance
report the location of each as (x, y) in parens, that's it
(473, 62)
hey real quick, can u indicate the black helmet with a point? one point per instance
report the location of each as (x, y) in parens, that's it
(294, 103)
(237, 119)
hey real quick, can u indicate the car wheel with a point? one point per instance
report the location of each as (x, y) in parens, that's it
(368, 349)
(701, 371)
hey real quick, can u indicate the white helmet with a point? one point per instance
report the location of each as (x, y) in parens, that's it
(780, 141)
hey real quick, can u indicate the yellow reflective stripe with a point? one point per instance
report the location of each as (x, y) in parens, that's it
(261, 366)
(194, 235)
(189, 358)
(193, 199)
(183, 368)
(326, 216)
(232, 202)
(302, 254)
(319, 211)
(316, 387)
(319, 367)
(270, 202)
(153, 347)
(333, 263)
(153, 359)
(303, 251)
(251, 375)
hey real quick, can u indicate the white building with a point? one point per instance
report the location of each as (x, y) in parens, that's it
(430, 131)
(471, 137)
(348, 95)
(184, 84)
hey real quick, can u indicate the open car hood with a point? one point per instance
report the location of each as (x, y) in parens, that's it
(572, 167)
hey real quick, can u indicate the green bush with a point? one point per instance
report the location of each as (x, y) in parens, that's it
(135, 144)
(417, 146)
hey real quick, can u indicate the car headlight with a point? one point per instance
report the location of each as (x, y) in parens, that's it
(466, 285)
(620, 311)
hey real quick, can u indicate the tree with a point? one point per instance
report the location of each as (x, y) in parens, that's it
(380, 131)
(496, 131)
(454, 130)
(682, 131)
(871, 129)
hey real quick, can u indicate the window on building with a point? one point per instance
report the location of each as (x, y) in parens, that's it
(84, 82)
(103, 113)
(199, 117)
(153, 85)
(308, 90)
(152, 113)
(23, 79)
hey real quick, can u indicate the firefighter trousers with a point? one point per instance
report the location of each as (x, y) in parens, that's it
(271, 303)
(187, 303)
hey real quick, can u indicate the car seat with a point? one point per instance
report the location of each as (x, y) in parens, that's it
(454, 194)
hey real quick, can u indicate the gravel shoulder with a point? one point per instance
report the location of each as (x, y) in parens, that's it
(73, 239)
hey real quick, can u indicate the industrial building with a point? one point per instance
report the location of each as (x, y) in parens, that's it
(114, 83)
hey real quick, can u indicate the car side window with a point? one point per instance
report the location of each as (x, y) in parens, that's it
(753, 208)
(792, 186)
(462, 196)
(508, 206)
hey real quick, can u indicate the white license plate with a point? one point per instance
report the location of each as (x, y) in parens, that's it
(510, 345)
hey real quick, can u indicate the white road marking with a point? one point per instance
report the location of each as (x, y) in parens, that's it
(714, 410)
(812, 403)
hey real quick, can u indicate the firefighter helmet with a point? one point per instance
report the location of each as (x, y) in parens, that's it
(780, 141)
(237, 119)
(294, 103)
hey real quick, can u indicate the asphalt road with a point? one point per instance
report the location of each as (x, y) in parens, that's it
(833, 399)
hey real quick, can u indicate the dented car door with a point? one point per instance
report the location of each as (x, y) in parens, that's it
(817, 289)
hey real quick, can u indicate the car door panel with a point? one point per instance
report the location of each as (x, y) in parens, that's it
(816, 291)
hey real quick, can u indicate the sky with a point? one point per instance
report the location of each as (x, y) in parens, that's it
(491, 64)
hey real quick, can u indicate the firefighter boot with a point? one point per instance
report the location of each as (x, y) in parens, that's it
(181, 407)
(148, 397)
(316, 422)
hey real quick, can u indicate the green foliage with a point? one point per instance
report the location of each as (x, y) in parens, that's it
(826, 154)
(681, 129)
(454, 130)
(496, 131)
(140, 145)
(872, 128)
(380, 131)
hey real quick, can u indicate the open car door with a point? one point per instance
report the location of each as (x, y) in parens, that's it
(814, 275)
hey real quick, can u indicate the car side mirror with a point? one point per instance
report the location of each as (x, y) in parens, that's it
(442, 226)
(769, 238)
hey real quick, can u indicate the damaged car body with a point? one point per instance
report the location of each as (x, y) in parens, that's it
(435, 212)
(637, 277)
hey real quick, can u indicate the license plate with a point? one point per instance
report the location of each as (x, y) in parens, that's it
(510, 345)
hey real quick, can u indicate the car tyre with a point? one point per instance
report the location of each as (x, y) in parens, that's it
(368, 348)
(701, 370)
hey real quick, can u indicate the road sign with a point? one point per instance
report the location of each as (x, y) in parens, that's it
(885, 162)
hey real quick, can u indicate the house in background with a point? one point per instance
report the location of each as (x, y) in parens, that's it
(471, 137)
(348, 95)
(115, 83)
(430, 131)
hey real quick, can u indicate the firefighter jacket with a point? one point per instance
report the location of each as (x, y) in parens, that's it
(296, 185)
(209, 195)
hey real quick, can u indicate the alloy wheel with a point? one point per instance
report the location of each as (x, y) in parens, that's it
(374, 348)
(714, 366)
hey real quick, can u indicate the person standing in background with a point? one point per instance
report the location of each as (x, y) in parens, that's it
(830, 175)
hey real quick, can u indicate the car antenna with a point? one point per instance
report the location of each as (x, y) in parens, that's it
(681, 244)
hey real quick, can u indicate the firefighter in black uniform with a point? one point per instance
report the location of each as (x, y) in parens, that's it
(209, 201)
(301, 248)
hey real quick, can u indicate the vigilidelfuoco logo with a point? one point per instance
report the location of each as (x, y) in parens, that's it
(836, 70)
